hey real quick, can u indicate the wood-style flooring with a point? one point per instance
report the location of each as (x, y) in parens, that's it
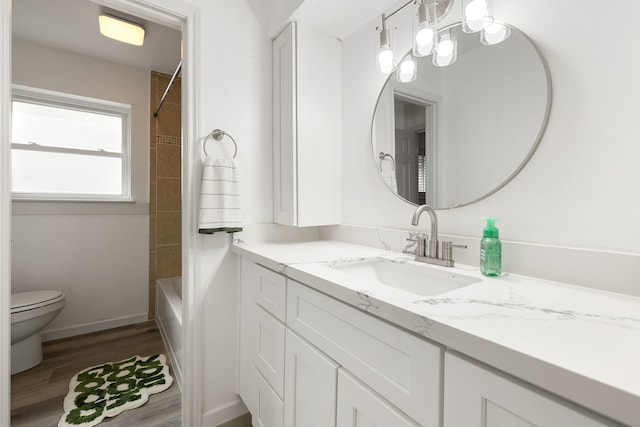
(37, 394)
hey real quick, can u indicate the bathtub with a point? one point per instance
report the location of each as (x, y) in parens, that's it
(169, 320)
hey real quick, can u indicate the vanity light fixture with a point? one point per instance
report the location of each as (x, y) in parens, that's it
(424, 32)
(427, 40)
(121, 30)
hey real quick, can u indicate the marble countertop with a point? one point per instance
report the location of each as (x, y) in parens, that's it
(579, 343)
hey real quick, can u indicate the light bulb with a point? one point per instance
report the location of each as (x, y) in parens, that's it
(476, 15)
(385, 60)
(495, 33)
(475, 10)
(407, 70)
(424, 37)
(445, 48)
(407, 67)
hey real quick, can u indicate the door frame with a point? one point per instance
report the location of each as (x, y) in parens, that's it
(176, 14)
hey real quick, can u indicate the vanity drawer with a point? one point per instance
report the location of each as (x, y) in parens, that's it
(269, 408)
(401, 367)
(271, 292)
(269, 354)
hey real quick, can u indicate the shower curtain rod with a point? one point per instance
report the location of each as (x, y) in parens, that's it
(173, 78)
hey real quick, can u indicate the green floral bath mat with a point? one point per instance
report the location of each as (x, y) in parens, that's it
(106, 390)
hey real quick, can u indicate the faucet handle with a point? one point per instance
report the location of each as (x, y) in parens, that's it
(447, 250)
(420, 244)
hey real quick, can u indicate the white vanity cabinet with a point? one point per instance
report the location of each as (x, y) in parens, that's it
(307, 119)
(309, 360)
(262, 344)
(323, 356)
(475, 396)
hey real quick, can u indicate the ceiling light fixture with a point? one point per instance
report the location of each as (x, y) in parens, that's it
(121, 30)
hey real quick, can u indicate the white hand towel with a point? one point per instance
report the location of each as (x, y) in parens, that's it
(219, 197)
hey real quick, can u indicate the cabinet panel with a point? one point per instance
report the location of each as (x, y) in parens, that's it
(270, 349)
(359, 406)
(403, 368)
(271, 292)
(319, 117)
(479, 397)
(284, 127)
(311, 381)
(247, 325)
(269, 410)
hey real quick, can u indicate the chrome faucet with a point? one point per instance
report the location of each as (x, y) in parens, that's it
(431, 250)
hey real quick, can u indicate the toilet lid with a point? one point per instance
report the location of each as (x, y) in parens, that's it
(22, 301)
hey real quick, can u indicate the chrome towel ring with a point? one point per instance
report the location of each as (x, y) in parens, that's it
(382, 155)
(218, 134)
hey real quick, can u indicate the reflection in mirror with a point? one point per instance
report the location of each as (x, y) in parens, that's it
(459, 133)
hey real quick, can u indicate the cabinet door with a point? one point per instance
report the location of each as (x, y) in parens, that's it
(269, 409)
(359, 406)
(479, 397)
(284, 127)
(310, 387)
(404, 369)
(269, 349)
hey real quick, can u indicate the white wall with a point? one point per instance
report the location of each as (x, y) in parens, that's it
(580, 189)
(96, 253)
(484, 125)
(235, 95)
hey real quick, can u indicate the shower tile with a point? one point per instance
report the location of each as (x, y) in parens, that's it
(173, 97)
(153, 205)
(152, 267)
(169, 194)
(169, 161)
(154, 89)
(169, 261)
(153, 132)
(152, 164)
(152, 302)
(152, 233)
(169, 228)
(169, 120)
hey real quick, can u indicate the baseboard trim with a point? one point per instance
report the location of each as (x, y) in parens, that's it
(224, 413)
(87, 328)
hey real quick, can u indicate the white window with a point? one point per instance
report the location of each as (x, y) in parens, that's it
(67, 147)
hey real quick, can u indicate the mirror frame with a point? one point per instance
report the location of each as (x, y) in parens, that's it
(523, 163)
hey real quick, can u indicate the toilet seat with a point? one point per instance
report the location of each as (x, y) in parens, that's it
(25, 301)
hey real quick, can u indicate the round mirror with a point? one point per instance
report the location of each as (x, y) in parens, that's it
(458, 133)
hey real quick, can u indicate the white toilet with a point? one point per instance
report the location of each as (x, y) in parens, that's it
(30, 312)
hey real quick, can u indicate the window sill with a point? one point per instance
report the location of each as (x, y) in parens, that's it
(78, 207)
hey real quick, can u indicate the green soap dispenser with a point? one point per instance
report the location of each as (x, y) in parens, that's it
(490, 249)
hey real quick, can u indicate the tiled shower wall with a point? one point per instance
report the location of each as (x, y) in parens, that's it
(165, 236)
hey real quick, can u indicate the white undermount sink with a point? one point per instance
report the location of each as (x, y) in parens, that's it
(407, 276)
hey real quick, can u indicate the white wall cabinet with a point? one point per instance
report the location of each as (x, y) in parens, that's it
(307, 117)
(478, 397)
